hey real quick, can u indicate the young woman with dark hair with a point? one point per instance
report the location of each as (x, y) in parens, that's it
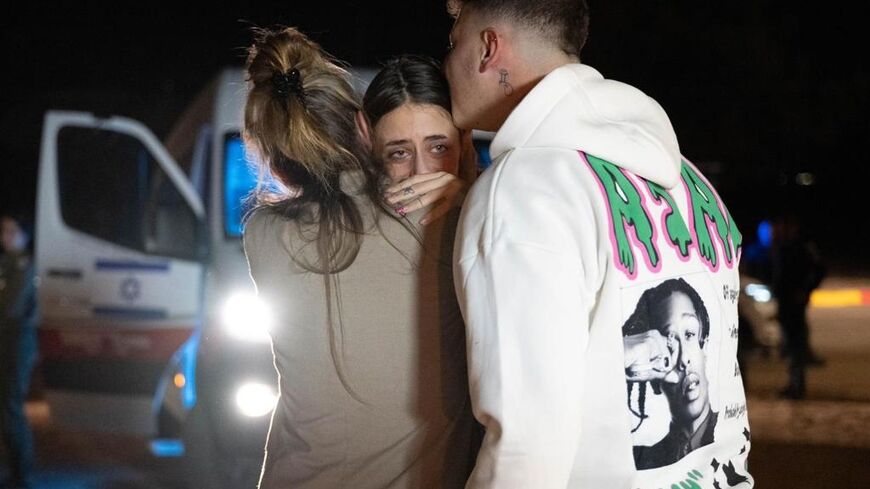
(430, 161)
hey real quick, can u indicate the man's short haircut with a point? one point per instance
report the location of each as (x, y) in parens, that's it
(564, 22)
(652, 306)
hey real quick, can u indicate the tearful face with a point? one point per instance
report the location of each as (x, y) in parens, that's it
(416, 139)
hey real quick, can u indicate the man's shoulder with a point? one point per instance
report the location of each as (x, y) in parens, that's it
(517, 158)
(527, 167)
(532, 195)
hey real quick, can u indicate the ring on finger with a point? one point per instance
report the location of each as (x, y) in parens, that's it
(408, 190)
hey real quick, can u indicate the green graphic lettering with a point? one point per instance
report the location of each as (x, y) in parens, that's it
(690, 482)
(626, 211)
(678, 233)
(705, 206)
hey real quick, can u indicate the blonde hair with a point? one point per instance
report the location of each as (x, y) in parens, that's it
(300, 122)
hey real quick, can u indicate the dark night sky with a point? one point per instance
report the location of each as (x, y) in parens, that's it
(757, 91)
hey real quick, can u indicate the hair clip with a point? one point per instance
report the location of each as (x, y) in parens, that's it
(286, 83)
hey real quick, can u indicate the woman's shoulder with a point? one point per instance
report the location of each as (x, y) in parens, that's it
(258, 222)
(265, 229)
(270, 236)
(259, 216)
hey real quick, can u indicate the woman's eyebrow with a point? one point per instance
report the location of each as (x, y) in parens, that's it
(400, 142)
(397, 142)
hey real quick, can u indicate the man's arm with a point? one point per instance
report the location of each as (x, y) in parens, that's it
(527, 321)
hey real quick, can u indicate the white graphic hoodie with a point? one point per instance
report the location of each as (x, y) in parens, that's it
(597, 273)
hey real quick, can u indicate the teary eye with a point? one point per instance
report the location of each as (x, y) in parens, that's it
(398, 154)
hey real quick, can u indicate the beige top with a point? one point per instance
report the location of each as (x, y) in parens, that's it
(402, 351)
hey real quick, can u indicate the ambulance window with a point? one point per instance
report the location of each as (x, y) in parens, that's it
(111, 187)
(483, 157)
(240, 179)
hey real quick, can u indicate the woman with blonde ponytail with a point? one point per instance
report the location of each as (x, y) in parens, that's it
(367, 337)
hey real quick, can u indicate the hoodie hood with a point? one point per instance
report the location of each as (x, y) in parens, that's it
(611, 120)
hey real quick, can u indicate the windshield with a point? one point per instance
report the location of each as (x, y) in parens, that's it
(240, 179)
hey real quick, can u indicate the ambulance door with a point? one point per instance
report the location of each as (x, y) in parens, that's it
(120, 249)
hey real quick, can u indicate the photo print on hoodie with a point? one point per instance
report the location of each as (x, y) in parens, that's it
(677, 324)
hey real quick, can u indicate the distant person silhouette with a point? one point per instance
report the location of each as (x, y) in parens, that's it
(18, 314)
(754, 265)
(796, 271)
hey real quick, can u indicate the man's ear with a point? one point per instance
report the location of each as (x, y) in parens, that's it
(363, 129)
(493, 44)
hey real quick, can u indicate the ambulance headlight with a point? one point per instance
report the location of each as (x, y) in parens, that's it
(256, 400)
(247, 317)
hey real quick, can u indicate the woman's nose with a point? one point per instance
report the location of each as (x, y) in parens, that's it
(423, 165)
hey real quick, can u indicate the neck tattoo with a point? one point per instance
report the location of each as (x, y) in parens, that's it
(503, 81)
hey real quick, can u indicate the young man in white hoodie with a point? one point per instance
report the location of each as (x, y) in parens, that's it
(587, 205)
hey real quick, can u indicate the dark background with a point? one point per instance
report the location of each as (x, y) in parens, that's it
(757, 91)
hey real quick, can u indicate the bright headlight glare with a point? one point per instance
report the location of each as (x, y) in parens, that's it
(255, 399)
(760, 293)
(247, 317)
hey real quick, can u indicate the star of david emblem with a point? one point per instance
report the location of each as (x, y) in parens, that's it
(131, 288)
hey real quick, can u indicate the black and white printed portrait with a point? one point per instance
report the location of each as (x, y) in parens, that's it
(665, 341)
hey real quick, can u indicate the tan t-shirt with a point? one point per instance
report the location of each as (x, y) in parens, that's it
(402, 351)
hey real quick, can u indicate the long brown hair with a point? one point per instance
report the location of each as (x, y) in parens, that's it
(300, 123)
